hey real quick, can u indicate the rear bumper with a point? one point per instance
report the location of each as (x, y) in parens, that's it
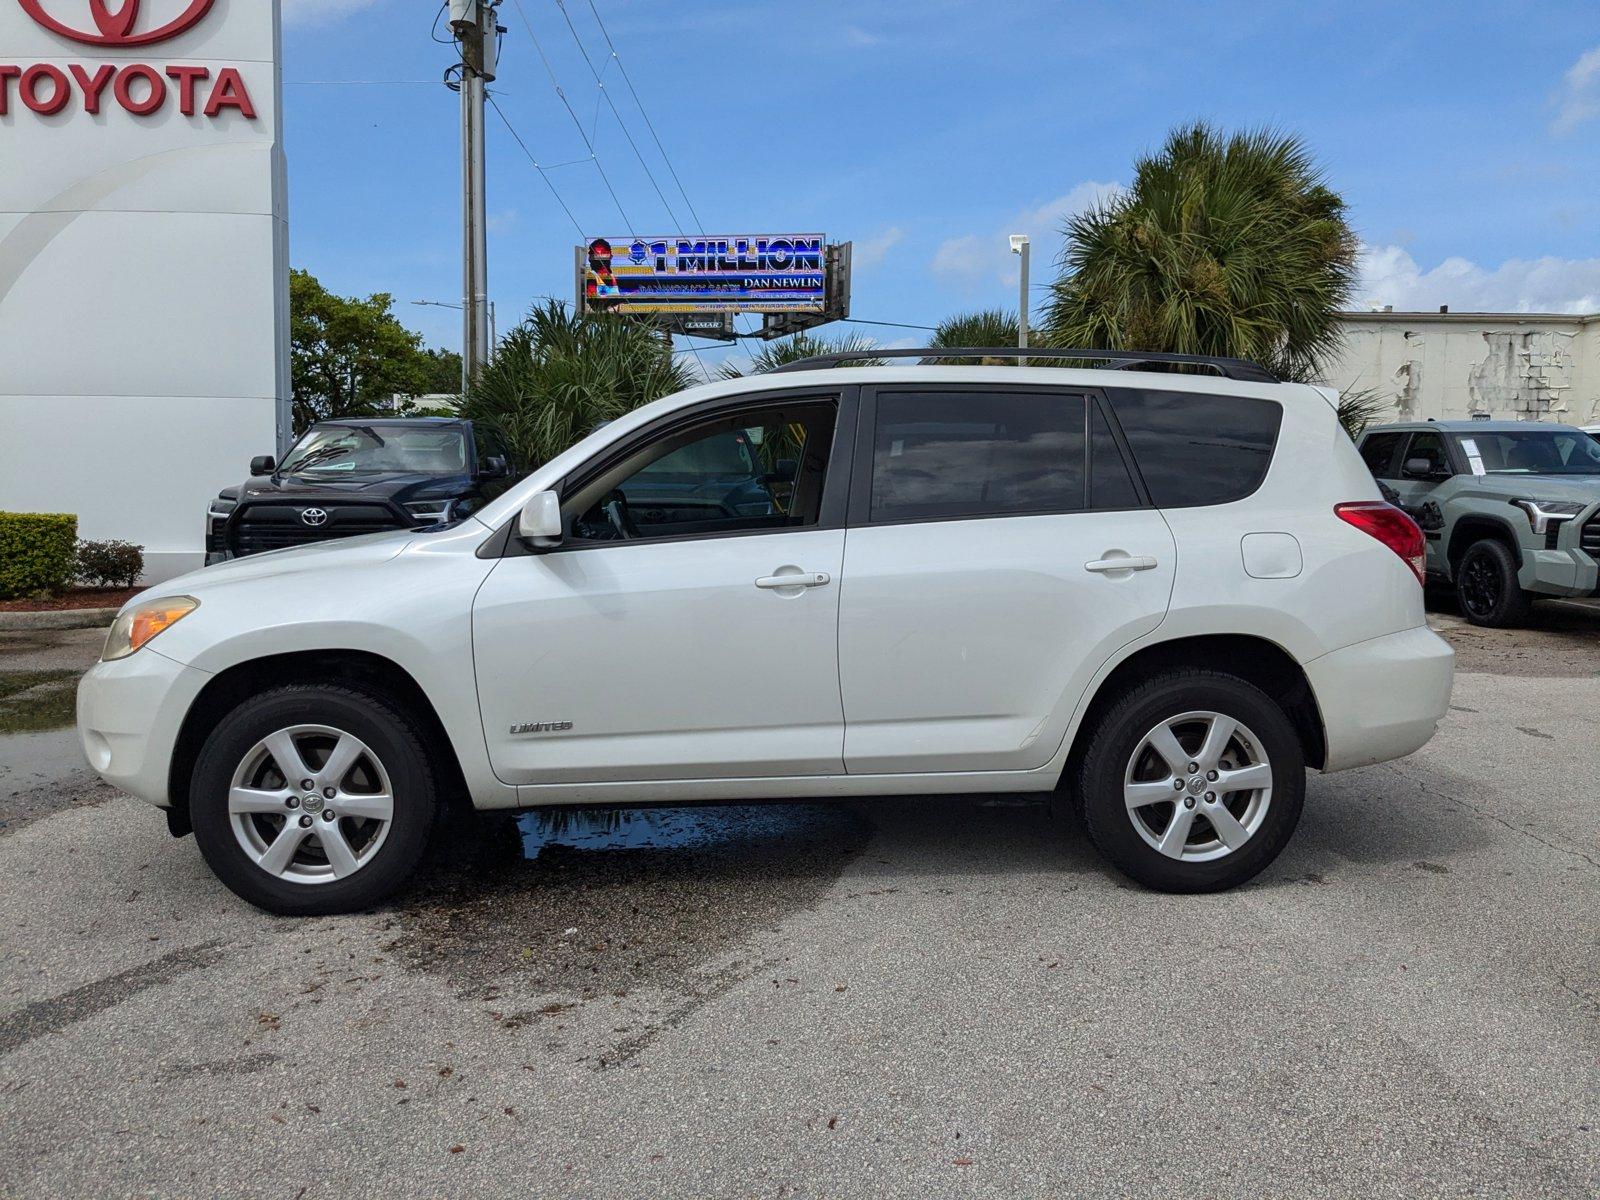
(1383, 698)
(129, 715)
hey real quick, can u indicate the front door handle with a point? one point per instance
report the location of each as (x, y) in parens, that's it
(1104, 566)
(798, 579)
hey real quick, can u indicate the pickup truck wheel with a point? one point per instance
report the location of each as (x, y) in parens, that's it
(1193, 782)
(1487, 587)
(314, 800)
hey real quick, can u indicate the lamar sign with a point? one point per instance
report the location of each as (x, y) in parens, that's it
(137, 88)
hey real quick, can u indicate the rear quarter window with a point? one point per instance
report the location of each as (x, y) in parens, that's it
(1195, 449)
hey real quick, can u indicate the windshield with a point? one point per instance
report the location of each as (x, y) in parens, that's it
(365, 450)
(1531, 452)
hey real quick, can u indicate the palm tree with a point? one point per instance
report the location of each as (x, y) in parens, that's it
(989, 327)
(1223, 245)
(557, 375)
(802, 345)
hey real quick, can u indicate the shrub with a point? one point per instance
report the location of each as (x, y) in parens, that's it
(36, 553)
(110, 563)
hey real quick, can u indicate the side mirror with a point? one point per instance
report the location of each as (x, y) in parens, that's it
(263, 464)
(540, 520)
(494, 467)
(1420, 468)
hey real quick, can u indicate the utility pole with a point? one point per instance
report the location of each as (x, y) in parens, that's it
(477, 29)
(1019, 246)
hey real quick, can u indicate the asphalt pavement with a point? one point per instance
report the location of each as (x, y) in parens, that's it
(922, 997)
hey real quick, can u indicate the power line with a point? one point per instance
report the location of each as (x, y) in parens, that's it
(543, 173)
(650, 125)
(600, 85)
(891, 324)
(555, 83)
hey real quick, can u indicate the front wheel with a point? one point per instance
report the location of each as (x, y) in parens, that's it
(314, 800)
(1487, 587)
(1192, 782)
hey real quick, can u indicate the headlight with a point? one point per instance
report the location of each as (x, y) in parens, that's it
(221, 507)
(432, 512)
(1544, 513)
(144, 621)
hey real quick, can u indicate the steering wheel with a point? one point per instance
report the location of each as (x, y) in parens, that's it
(615, 506)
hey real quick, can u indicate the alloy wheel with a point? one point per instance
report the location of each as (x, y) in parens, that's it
(310, 804)
(1480, 584)
(1197, 787)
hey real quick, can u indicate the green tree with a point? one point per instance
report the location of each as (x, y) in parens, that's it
(556, 376)
(987, 328)
(351, 357)
(802, 345)
(1224, 245)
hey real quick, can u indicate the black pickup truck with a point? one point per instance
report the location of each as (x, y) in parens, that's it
(361, 475)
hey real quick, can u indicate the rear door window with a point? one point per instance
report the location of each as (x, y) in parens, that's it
(939, 455)
(1378, 451)
(1195, 449)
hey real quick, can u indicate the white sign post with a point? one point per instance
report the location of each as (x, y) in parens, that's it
(143, 262)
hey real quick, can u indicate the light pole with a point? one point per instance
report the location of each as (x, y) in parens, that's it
(1019, 246)
(477, 28)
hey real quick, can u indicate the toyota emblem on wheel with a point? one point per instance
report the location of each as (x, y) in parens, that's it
(314, 517)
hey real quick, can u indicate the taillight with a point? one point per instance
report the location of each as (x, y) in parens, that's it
(1391, 527)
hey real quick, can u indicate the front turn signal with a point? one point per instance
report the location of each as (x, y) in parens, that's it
(143, 622)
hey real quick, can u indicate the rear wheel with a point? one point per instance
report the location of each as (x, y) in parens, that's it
(314, 800)
(1487, 587)
(1193, 782)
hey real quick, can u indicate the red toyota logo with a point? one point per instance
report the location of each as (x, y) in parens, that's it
(119, 28)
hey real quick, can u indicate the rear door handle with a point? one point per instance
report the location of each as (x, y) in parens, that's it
(797, 580)
(1101, 566)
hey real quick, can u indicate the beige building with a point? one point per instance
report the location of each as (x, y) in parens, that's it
(1453, 366)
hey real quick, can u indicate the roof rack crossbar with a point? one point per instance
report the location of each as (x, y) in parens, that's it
(1229, 368)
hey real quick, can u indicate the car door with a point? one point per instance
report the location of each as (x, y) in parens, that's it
(999, 552)
(687, 625)
(1417, 486)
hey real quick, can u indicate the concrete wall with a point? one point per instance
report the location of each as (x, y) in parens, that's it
(1511, 366)
(143, 263)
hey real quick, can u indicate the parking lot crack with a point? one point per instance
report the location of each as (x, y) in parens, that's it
(56, 1013)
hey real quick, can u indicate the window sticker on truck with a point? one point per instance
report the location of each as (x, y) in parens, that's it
(1474, 459)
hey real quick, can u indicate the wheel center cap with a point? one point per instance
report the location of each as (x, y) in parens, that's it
(312, 804)
(1196, 785)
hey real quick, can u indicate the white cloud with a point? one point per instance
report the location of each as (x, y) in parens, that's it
(1389, 275)
(854, 35)
(503, 221)
(979, 258)
(321, 12)
(1579, 98)
(873, 250)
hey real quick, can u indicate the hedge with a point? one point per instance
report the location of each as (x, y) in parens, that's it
(38, 553)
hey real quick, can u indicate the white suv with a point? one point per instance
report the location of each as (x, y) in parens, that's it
(1161, 595)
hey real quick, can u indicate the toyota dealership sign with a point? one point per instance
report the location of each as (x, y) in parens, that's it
(143, 261)
(137, 88)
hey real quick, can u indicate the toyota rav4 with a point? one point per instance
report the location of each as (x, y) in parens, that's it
(1161, 595)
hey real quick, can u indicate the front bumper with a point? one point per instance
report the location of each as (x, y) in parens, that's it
(1383, 698)
(1568, 564)
(129, 715)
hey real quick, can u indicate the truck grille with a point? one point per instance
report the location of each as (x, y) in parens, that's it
(278, 526)
(1590, 537)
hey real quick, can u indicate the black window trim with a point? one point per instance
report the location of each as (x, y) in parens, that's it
(860, 515)
(835, 488)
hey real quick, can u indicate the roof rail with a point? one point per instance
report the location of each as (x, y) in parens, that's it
(1122, 360)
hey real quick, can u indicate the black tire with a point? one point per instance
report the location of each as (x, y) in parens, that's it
(1486, 586)
(1119, 733)
(390, 733)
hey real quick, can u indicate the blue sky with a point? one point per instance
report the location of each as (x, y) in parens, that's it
(1465, 136)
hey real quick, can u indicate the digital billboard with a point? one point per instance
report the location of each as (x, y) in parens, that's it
(743, 273)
